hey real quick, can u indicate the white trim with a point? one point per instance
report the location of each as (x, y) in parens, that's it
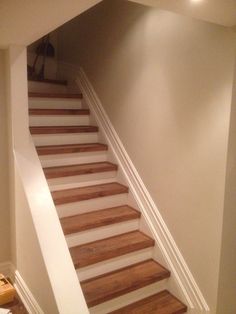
(159, 229)
(31, 305)
(25, 295)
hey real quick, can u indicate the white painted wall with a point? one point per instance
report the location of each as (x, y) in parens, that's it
(227, 282)
(4, 196)
(165, 82)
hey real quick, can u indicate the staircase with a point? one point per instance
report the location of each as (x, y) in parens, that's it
(112, 256)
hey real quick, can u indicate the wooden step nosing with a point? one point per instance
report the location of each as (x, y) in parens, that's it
(58, 112)
(128, 217)
(52, 130)
(79, 172)
(54, 95)
(70, 149)
(127, 233)
(121, 189)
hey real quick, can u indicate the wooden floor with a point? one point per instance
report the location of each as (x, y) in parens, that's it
(16, 306)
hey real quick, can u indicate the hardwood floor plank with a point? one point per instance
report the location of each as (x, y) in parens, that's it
(63, 129)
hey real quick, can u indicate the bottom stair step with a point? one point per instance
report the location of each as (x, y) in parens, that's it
(160, 303)
(106, 287)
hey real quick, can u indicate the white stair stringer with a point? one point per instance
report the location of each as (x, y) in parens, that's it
(100, 233)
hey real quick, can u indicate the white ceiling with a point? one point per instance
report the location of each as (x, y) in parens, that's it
(221, 12)
(24, 21)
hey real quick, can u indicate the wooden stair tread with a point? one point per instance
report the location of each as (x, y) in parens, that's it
(88, 192)
(160, 303)
(63, 129)
(70, 148)
(55, 95)
(97, 251)
(106, 287)
(50, 81)
(81, 169)
(98, 218)
(58, 112)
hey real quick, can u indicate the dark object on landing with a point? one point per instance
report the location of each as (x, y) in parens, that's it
(44, 49)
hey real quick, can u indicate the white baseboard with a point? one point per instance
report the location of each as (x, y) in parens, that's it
(174, 259)
(26, 296)
(30, 303)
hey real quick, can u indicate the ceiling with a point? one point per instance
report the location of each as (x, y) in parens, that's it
(222, 12)
(24, 21)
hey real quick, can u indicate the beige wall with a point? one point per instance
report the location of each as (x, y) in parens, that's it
(165, 82)
(227, 282)
(4, 197)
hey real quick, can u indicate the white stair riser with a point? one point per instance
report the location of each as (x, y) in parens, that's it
(76, 208)
(62, 139)
(55, 103)
(128, 298)
(72, 159)
(62, 120)
(42, 87)
(102, 232)
(114, 264)
(81, 180)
